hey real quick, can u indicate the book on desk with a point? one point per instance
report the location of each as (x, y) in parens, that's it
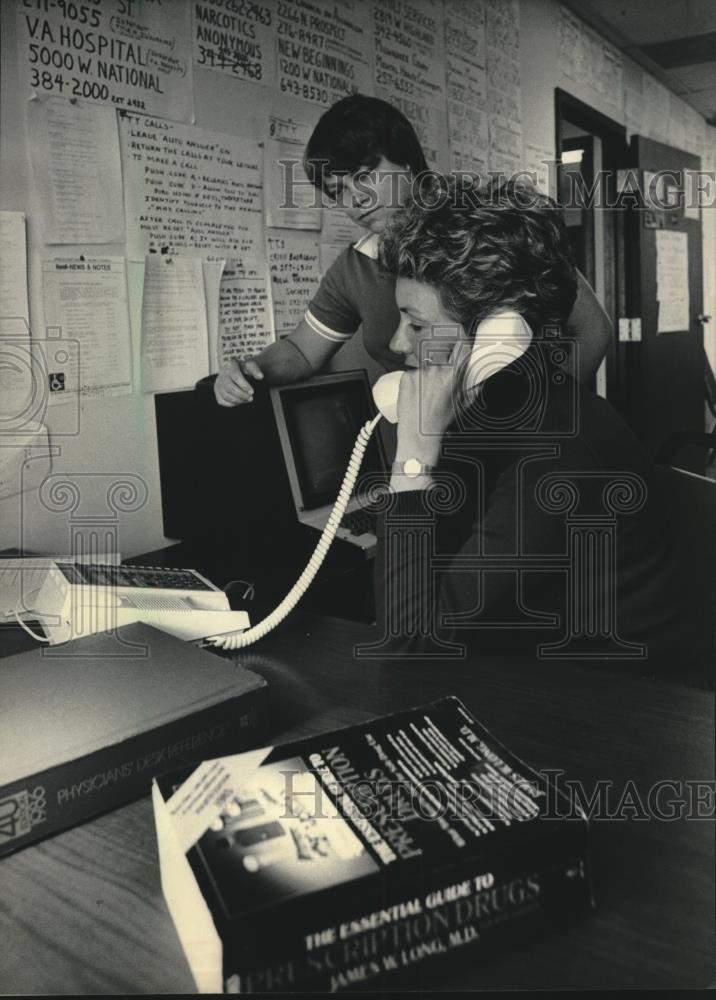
(351, 856)
(87, 724)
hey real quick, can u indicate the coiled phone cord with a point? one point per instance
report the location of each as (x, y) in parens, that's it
(242, 639)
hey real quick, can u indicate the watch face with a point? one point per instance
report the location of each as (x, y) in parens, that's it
(412, 467)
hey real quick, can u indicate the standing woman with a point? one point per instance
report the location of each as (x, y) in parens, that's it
(365, 154)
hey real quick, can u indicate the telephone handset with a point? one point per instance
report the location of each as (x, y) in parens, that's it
(499, 340)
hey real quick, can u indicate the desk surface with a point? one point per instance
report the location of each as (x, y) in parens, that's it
(84, 913)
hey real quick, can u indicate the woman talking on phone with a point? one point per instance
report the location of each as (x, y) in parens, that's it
(365, 156)
(505, 465)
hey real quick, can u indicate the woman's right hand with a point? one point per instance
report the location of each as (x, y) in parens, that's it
(232, 386)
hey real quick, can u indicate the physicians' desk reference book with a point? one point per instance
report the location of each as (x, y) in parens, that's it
(86, 725)
(348, 857)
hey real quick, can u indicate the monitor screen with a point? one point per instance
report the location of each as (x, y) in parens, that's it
(322, 421)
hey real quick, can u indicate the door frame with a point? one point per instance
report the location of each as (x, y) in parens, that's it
(614, 155)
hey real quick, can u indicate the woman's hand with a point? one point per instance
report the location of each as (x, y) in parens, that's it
(426, 408)
(232, 386)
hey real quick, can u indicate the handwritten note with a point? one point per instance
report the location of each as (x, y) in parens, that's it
(76, 161)
(504, 91)
(465, 60)
(323, 49)
(409, 50)
(294, 265)
(190, 188)
(86, 298)
(128, 55)
(245, 317)
(175, 341)
(236, 40)
(589, 59)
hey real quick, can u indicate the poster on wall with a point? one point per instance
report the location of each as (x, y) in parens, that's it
(466, 74)
(236, 39)
(294, 265)
(323, 49)
(291, 201)
(85, 298)
(409, 65)
(175, 338)
(119, 52)
(189, 188)
(245, 316)
(672, 281)
(504, 89)
(589, 59)
(74, 149)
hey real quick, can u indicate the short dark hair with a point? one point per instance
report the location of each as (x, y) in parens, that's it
(501, 246)
(356, 132)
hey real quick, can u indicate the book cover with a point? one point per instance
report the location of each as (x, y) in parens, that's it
(85, 726)
(349, 857)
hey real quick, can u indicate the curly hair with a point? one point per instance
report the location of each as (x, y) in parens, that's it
(484, 249)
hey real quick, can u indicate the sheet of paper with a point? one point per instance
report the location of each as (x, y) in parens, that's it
(409, 66)
(504, 89)
(241, 47)
(409, 50)
(86, 299)
(672, 280)
(589, 59)
(116, 52)
(294, 265)
(212, 271)
(506, 154)
(14, 311)
(76, 161)
(465, 61)
(175, 338)
(323, 49)
(291, 201)
(245, 317)
(188, 188)
(338, 232)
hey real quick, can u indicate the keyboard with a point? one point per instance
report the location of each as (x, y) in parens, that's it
(360, 522)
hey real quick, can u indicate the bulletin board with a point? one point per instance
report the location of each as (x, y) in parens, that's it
(162, 245)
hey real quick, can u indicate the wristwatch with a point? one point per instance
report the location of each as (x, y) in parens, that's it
(412, 468)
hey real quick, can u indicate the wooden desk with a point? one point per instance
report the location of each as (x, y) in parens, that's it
(84, 913)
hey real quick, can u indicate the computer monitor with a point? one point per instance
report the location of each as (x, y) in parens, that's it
(318, 422)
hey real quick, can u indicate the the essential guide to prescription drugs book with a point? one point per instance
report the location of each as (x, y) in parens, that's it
(354, 855)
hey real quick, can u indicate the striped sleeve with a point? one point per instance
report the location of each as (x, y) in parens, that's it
(332, 312)
(325, 331)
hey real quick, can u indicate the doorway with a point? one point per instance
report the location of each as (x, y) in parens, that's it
(590, 149)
